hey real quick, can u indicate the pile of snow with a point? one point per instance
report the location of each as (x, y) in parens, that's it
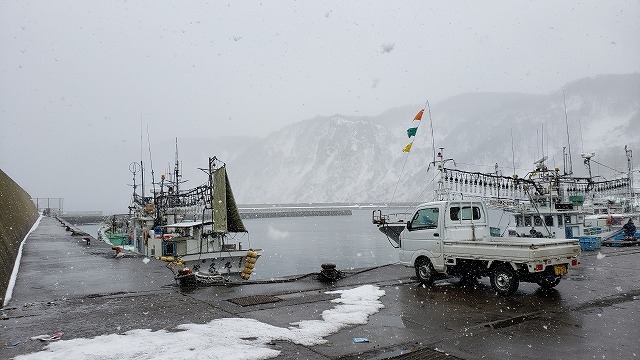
(231, 338)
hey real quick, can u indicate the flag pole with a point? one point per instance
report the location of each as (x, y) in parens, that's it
(408, 148)
(433, 142)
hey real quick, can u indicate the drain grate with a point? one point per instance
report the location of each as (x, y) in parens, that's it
(425, 354)
(254, 300)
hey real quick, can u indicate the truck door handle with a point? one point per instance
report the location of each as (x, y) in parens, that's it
(436, 234)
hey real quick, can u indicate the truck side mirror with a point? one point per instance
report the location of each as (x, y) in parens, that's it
(409, 226)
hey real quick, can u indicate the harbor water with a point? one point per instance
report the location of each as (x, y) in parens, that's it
(299, 245)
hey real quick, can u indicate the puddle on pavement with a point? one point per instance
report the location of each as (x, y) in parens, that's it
(387, 320)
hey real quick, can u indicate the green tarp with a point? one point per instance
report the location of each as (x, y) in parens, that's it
(226, 217)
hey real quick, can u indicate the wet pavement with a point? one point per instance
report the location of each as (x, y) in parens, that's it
(84, 291)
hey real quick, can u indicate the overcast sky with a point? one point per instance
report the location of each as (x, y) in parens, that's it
(88, 72)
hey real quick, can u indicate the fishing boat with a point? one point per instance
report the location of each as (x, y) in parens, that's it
(115, 230)
(544, 203)
(198, 232)
(206, 250)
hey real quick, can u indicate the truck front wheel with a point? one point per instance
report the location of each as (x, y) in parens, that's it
(504, 280)
(424, 271)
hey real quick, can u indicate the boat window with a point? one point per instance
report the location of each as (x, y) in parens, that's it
(169, 249)
(519, 221)
(464, 213)
(548, 220)
(425, 219)
(559, 220)
(567, 219)
(537, 220)
(527, 220)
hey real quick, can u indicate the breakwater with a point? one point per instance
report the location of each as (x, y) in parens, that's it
(79, 219)
(17, 214)
(247, 214)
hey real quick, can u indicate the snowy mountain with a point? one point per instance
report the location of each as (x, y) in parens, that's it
(360, 159)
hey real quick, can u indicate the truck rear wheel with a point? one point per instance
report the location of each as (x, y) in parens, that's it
(504, 280)
(424, 270)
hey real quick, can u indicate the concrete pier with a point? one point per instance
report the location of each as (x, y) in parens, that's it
(84, 291)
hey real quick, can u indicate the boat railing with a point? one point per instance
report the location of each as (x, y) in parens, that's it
(379, 218)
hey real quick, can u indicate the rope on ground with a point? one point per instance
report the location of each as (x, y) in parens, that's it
(291, 279)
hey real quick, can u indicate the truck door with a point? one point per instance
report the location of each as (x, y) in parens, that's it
(424, 234)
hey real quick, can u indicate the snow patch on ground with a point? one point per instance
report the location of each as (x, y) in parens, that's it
(230, 338)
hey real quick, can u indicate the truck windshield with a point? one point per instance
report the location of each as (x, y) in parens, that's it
(425, 219)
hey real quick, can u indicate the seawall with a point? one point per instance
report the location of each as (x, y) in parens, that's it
(17, 215)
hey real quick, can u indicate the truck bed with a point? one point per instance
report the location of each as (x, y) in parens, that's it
(515, 249)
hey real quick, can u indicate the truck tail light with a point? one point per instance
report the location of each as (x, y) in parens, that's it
(539, 267)
(574, 262)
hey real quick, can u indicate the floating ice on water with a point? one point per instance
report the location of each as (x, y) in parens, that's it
(275, 234)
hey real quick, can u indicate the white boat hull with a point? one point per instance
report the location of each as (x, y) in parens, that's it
(226, 266)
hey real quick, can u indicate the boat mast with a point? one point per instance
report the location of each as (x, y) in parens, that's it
(176, 171)
(141, 163)
(566, 121)
(442, 192)
(513, 155)
(133, 168)
(629, 154)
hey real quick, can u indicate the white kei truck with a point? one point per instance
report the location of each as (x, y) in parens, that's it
(454, 238)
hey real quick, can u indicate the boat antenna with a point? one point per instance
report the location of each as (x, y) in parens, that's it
(542, 138)
(141, 162)
(153, 179)
(566, 121)
(537, 143)
(564, 159)
(133, 168)
(176, 170)
(629, 154)
(546, 132)
(513, 154)
(581, 140)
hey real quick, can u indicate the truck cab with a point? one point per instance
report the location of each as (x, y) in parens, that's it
(435, 221)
